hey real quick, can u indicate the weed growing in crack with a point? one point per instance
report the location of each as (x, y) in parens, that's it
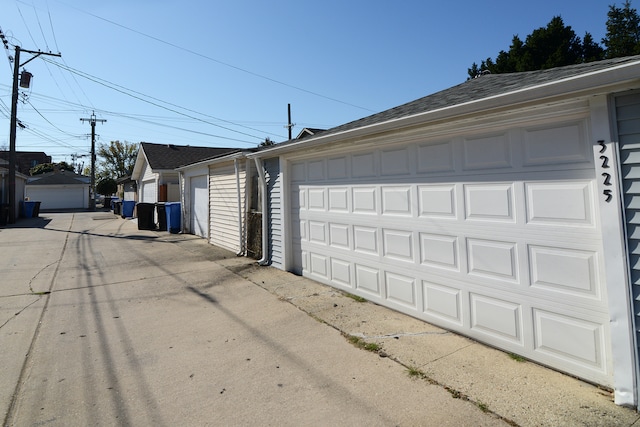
(356, 298)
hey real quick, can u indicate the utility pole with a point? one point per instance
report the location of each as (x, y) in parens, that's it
(289, 124)
(92, 120)
(14, 120)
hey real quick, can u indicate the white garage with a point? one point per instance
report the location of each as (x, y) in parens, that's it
(492, 208)
(59, 190)
(59, 197)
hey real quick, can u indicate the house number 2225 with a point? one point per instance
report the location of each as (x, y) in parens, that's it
(606, 176)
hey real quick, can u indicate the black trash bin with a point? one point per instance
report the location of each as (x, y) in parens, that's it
(36, 209)
(146, 213)
(162, 216)
(117, 207)
(4, 214)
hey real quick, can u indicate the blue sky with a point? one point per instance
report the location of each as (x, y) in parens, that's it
(220, 74)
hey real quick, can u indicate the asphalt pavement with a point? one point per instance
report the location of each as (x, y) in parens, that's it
(103, 324)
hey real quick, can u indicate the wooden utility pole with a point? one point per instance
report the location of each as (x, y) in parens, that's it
(14, 121)
(92, 120)
(289, 124)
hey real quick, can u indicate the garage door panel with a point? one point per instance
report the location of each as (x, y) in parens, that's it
(570, 272)
(577, 340)
(567, 203)
(497, 317)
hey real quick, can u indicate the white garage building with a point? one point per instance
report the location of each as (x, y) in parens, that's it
(156, 174)
(59, 190)
(503, 208)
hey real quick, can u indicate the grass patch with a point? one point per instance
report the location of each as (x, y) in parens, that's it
(483, 406)
(415, 372)
(362, 344)
(517, 357)
(356, 298)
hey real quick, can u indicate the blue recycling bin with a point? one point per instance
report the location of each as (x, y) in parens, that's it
(127, 208)
(173, 216)
(29, 209)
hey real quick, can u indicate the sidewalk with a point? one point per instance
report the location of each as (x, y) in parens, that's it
(162, 329)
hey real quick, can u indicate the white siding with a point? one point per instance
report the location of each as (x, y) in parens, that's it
(628, 126)
(274, 201)
(223, 202)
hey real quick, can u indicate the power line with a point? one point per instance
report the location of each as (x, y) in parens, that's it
(133, 94)
(201, 55)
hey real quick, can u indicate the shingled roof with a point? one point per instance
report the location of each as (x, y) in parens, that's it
(485, 86)
(169, 156)
(59, 178)
(495, 90)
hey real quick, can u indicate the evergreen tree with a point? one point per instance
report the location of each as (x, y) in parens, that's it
(623, 31)
(552, 46)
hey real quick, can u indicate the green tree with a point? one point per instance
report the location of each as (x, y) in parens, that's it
(106, 186)
(267, 142)
(50, 167)
(116, 159)
(591, 51)
(623, 31)
(552, 46)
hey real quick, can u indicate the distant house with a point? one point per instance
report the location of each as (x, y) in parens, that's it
(127, 188)
(25, 160)
(306, 132)
(505, 208)
(59, 190)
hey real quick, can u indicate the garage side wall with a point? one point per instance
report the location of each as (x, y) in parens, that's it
(227, 213)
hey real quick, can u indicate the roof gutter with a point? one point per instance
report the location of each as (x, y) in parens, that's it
(593, 82)
(213, 161)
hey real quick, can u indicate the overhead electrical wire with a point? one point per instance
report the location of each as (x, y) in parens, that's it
(134, 94)
(201, 55)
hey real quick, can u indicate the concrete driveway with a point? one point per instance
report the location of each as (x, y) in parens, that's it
(104, 324)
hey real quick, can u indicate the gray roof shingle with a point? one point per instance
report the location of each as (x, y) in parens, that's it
(486, 86)
(169, 156)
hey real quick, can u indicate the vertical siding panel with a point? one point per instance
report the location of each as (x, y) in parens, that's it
(224, 224)
(274, 205)
(628, 123)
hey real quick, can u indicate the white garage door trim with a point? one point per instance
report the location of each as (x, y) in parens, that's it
(199, 205)
(495, 236)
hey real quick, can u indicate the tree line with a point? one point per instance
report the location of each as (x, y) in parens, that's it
(557, 45)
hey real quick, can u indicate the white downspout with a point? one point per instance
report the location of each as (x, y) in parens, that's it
(240, 222)
(265, 223)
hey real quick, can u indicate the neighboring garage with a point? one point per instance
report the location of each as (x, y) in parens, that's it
(59, 190)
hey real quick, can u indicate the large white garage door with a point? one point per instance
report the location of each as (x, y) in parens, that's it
(495, 236)
(199, 209)
(52, 198)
